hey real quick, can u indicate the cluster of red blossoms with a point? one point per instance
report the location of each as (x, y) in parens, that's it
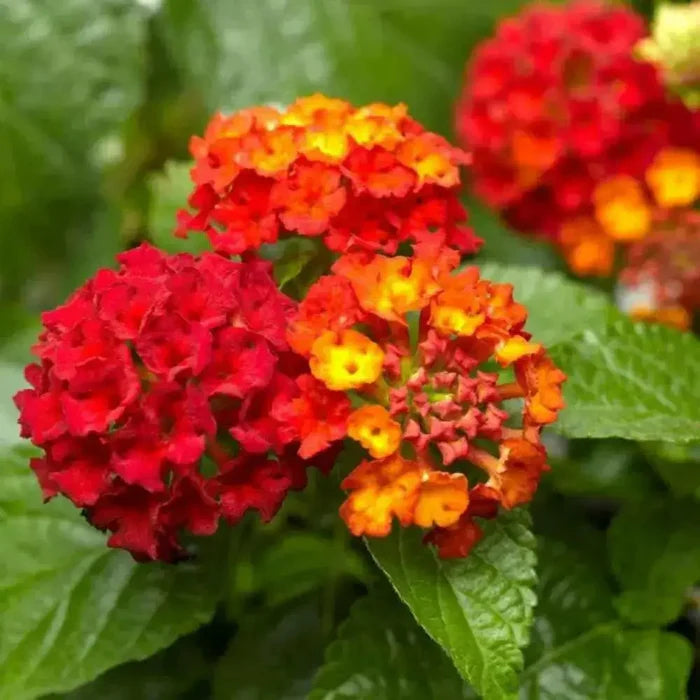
(574, 138)
(178, 390)
(420, 351)
(362, 179)
(161, 389)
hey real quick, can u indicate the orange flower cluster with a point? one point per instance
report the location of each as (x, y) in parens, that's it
(573, 138)
(362, 179)
(661, 278)
(626, 209)
(410, 354)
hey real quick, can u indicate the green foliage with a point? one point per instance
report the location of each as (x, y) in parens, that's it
(73, 608)
(580, 649)
(97, 101)
(631, 380)
(273, 655)
(381, 654)
(479, 609)
(655, 555)
(71, 72)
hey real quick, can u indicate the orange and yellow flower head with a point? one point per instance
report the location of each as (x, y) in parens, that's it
(442, 387)
(361, 179)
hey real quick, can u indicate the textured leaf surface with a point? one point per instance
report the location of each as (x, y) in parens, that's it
(633, 380)
(272, 656)
(72, 608)
(381, 653)
(655, 555)
(479, 609)
(558, 309)
(580, 650)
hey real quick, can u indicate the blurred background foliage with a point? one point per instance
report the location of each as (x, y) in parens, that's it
(98, 99)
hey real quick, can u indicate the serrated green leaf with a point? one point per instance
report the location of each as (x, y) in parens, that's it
(558, 309)
(169, 191)
(272, 657)
(580, 650)
(71, 607)
(633, 380)
(655, 555)
(381, 653)
(479, 609)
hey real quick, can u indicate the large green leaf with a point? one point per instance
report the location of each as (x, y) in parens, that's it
(11, 381)
(72, 608)
(655, 555)
(678, 465)
(381, 654)
(479, 609)
(171, 674)
(272, 657)
(558, 309)
(70, 73)
(632, 380)
(580, 650)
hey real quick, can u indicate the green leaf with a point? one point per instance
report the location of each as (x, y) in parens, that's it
(558, 309)
(632, 380)
(655, 555)
(603, 469)
(381, 654)
(169, 191)
(73, 608)
(272, 656)
(479, 609)
(59, 125)
(168, 675)
(298, 563)
(579, 649)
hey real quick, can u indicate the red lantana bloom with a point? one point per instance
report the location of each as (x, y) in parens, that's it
(361, 179)
(160, 392)
(422, 351)
(572, 137)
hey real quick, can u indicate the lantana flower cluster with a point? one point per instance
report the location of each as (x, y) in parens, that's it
(159, 394)
(360, 179)
(178, 390)
(572, 136)
(660, 279)
(420, 365)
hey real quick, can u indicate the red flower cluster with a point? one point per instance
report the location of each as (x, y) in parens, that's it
(160, 391)
(362, 179)
(417, 347)
(570, 134)
(661, 277)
